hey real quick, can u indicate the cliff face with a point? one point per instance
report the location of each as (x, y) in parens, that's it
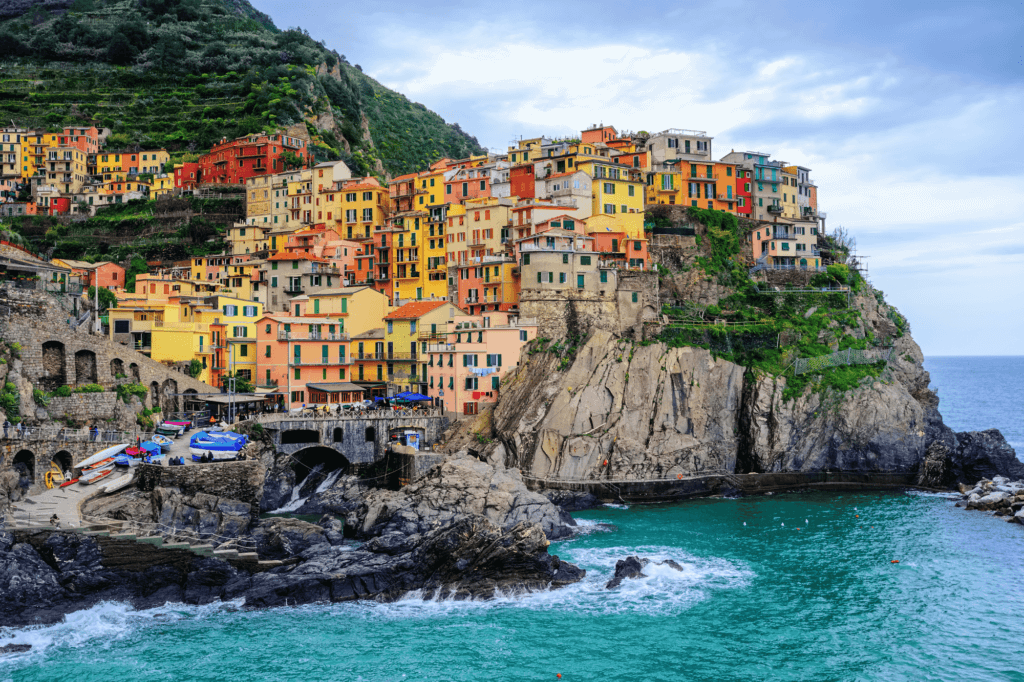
(626, 411)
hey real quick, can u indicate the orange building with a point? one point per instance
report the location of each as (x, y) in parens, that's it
(292, 352)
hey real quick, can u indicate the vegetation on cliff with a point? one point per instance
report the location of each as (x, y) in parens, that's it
(767, 330)
(182, 74)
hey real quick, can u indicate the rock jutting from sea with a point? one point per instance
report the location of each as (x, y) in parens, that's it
(469, 530)
(1000, 495)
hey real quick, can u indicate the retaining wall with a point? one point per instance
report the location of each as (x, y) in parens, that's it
(241, 481)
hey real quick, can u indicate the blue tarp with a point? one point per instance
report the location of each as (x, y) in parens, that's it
(413, 397)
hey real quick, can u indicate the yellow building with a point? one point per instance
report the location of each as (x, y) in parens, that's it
(151, 161)
(246, 238)
(404, 328)
(232, 325)
(359, 308)
(162, 184)
(617, 191)
(357, 208)
(10, 151)
(788, 199)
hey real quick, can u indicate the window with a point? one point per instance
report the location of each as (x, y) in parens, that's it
(636, 297)
(584, 260)
(472, 383)
(391, 327)
(579, 281)
(609, 208)
(604, 279)
(522, 335)
(565, 258)
(609, 188)
(561, 278)
(631, 190)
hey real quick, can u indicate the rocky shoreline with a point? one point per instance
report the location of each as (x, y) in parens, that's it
(1000, 495)
(468, 530)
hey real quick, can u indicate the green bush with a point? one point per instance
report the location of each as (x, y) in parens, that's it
(10, 401)
(126, 391)
(41, 398)
(63, 392)
(89, 388)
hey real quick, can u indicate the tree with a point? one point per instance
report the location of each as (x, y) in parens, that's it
(121, 51)
(136, 267)
(291, 160)
(195, 368)
(108, 299)
(242, 384)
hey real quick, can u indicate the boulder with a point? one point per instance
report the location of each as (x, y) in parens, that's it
(280, 538)
(571, 500)
(628, 568)
(460, 486)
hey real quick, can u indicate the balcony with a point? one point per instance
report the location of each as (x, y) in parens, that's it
(241, 339)
(473, 301)
(774, 209)
(300, 336)
(726, 197)
(433, 336)
(294, 291)
(319, 362)
(368, 356)
(477, 244)
(401, 357)
(411, 275)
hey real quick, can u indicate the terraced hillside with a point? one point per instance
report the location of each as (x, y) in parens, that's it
(181, 74)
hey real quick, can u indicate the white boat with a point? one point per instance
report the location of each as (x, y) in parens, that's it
(96, 475)
(163, 441)
(118, 483)
(102, 455)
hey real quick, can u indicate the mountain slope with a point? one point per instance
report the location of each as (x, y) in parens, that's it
(181, 74)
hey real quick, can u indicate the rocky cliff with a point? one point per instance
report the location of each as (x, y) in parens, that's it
(625, 411)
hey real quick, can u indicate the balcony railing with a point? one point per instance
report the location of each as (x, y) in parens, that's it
(305, 336)
(293, 290)
(401, 356)
(368, 356)
(775, 209)
(321, 361)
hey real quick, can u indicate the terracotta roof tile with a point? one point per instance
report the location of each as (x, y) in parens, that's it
(297, 256)
(414, 310)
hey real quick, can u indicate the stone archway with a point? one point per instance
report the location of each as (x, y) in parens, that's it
(64, 460)
(133, 369)
(318, 461)
(85, 367)
(169, 396)
(117, 369)
(25, 464)
(54, 371)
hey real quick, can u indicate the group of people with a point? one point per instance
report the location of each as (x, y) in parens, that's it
(19, 430)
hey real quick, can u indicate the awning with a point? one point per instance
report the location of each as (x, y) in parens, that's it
(336, 387)
(225, 399)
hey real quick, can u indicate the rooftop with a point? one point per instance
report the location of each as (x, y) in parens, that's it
(414, 310)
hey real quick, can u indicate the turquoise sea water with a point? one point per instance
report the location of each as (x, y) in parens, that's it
(795, 586)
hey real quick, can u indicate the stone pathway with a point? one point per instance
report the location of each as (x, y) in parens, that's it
(37, 509)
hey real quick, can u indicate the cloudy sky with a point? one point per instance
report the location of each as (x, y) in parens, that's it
(909, 113)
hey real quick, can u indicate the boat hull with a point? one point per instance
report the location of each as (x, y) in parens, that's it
(106, 453)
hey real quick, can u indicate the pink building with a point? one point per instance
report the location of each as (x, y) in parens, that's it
(466, 366)
(294, 352)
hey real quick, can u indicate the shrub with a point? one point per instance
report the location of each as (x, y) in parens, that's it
(63, 392)
(89, 388)
(41, 398)
(126, 391)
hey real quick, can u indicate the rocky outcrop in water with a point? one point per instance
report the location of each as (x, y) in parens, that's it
(632, 567)
(48, 574)
(999, 495)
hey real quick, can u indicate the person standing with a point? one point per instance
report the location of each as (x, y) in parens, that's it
(7, 425)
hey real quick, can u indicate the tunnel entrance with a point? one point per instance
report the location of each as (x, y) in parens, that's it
(25, 464)
(300, 436)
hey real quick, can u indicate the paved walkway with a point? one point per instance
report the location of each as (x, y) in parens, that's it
(37, 509)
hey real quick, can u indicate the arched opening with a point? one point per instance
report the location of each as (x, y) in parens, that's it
(85, 367)
(191, 403)
(371, 434)
(300, 436)
(54, 374)
(169, 399)
(133, 369)
(64, 461)
(154, 394)
(313, 466)
(25, 464)
(338, 435)
(117, 369)
(803, 263)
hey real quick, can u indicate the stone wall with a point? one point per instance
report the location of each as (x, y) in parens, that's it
(783, 278)
(39, 453)
(562, 313)
(53, 355)
(241, 481)
(413, 465)
(83, 407)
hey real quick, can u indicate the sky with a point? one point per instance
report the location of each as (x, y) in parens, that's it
(910, 114)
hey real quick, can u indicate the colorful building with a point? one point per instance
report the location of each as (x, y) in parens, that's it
(294, 351)
(358, 308)
(466, 363)
(402, 338)
(231, 162)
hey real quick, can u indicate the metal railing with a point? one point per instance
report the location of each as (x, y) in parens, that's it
(69, 435)
(850, 356)
(298, 336)
(780, 266)
(351, 414)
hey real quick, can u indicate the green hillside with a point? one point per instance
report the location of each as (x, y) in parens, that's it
(181, 74)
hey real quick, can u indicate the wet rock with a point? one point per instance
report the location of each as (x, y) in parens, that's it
(15, 648)
(571, 500)
(627, 569)
(277, 488)
(280, 538)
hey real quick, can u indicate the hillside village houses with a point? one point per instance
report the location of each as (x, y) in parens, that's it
(336, 288)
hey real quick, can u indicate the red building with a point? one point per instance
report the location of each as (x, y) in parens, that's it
(744, 195)
(522, 182)
(186, 176)
(233, 161)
